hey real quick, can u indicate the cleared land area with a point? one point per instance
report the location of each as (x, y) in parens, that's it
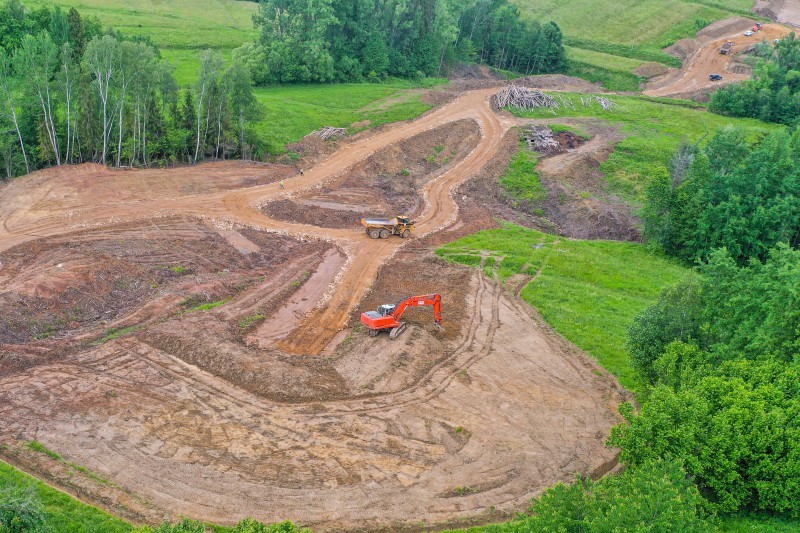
(199, 358)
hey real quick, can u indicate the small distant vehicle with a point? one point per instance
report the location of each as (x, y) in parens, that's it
(715, 77)
(381, 228)
(748, 33)
(757, 27)
(776, 41)
(726, 48)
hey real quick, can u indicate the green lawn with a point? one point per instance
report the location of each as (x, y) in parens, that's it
(63, 512)
(654, 129)
(637, 29)
(589, 291)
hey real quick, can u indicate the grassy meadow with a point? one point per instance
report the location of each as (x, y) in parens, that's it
(589, 291)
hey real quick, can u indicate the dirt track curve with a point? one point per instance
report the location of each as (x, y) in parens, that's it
(185, 418)
(693, 78)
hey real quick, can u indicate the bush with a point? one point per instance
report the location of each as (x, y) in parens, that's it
(20, 510)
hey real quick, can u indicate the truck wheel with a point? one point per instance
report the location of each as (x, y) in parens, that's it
(374, 233)
(406, 234)
(384, 234)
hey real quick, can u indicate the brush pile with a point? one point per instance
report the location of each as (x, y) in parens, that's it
(524, 98)
(329, 132)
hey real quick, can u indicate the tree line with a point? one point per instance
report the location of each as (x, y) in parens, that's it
(354, 40)
(72, 92)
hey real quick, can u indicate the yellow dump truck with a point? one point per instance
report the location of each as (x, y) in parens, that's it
(381, 228)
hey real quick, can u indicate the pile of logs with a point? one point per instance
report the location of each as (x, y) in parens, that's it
(329, 132)
(524, 98)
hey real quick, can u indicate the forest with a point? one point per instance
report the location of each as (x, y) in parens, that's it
(355, 40)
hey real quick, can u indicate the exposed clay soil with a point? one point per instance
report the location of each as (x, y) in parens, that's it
(701, 58)
(385, 184)
(213, 367)
(785, 11)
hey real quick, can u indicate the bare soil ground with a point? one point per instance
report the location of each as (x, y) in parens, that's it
(203, 359)
(702, 58)
(385, 184)
(785, 11)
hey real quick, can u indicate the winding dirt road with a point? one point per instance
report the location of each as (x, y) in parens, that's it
(505, 409)
(30, 210)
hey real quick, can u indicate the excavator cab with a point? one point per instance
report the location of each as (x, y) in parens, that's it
(386, 309)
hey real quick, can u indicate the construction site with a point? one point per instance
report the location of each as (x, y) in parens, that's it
(190, 341)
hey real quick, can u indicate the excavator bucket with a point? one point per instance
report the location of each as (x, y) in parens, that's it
(439, 327)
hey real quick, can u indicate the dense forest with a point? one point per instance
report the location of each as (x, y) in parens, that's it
(773, 94)
(353, 40)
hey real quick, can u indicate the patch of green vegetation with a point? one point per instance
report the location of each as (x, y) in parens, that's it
(37, 446)
(654, 128)
(62, 512)
(564, 128)
(210, 305)
(521, 181)
(179, 269)
(252, 319)
(613, 80)
(293, 111)
(113, 333)
(589, 291)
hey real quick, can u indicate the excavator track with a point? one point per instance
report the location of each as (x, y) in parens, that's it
(395, 332)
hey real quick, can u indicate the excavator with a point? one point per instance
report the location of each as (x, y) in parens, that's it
(388, 316)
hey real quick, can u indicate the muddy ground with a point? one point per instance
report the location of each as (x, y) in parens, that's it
(188, 355)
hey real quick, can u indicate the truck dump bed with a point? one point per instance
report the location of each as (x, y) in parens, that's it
(379, 221)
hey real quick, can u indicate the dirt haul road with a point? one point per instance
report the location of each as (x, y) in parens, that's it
(185, 416)
(693, 78)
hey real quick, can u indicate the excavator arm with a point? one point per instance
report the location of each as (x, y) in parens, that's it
(433, 300)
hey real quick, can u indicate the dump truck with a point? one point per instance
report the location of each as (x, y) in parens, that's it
(383, 227)
(726, 48)
(387, 317)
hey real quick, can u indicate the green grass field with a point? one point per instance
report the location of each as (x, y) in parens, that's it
(181, 28)
(63, 512)
(589, 291)
(295, 110)
(654, 129)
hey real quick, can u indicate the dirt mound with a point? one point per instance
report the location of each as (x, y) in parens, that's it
(650, 70)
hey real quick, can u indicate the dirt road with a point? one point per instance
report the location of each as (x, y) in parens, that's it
(215, 412)
(693, 78)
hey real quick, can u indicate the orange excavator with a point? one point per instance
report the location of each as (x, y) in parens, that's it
(388, 316)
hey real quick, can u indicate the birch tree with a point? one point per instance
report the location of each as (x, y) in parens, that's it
(9, 107)
(37, 62)
(101, 61)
